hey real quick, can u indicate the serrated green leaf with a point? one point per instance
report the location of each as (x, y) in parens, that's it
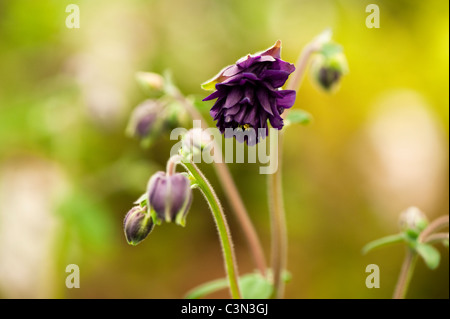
(298, 117)
(429, 254)
(255, 286)
(207, 288)
(392, 239)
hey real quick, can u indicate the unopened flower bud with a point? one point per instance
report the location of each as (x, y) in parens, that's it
(329, 66)
(195, 140)
(145, 119)
(170, 197)
(137, 225)
(413, 220)
(152, 83)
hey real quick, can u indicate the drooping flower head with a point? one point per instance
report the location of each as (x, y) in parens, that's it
(248, 94)
(328, 66)
(170, 196)
(137, 225)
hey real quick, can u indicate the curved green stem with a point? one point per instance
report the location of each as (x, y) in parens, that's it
(231, 192)
(222, 227)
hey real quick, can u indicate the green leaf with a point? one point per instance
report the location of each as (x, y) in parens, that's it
(429, 254)
(388, 240)
(207, 288)
(255, 286)
(445, 242)
(298, 116)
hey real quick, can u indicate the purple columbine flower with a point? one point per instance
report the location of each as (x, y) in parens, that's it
(170, 196)
(248, 94)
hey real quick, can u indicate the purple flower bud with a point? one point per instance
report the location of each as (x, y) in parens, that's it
(170, 196)
(248, 93)
(144, 119)
(137, 225)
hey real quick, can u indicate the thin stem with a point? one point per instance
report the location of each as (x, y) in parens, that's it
(222, 227)
(172, 164)
(275, 187)
(405, 274)
(231, 192)
(278, 223)
(434, 226)
(436, 238)
(411, 256)
(300, 66)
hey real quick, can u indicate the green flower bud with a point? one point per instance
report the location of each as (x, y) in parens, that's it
(413, 221)
(146, 121)
(152, 83)
(137, 225)
(328, 66)
(195, 141)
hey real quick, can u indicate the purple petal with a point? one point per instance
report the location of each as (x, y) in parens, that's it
(251, 117)
(267, 58)
(286, 98)
(156, 193)
(180, 189)
(212, 96)
(276, 77)
(239, 117)
(231, 70)
(233, 97)
(283, 66)
(263, 98)
(274, 51)
(232, 110)
(249, 94)
(276, 122)
(238, 79)
(247, 61)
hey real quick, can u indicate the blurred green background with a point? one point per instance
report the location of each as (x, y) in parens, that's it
(68, 173)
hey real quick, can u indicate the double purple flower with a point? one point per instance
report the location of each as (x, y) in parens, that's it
(248, 95)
